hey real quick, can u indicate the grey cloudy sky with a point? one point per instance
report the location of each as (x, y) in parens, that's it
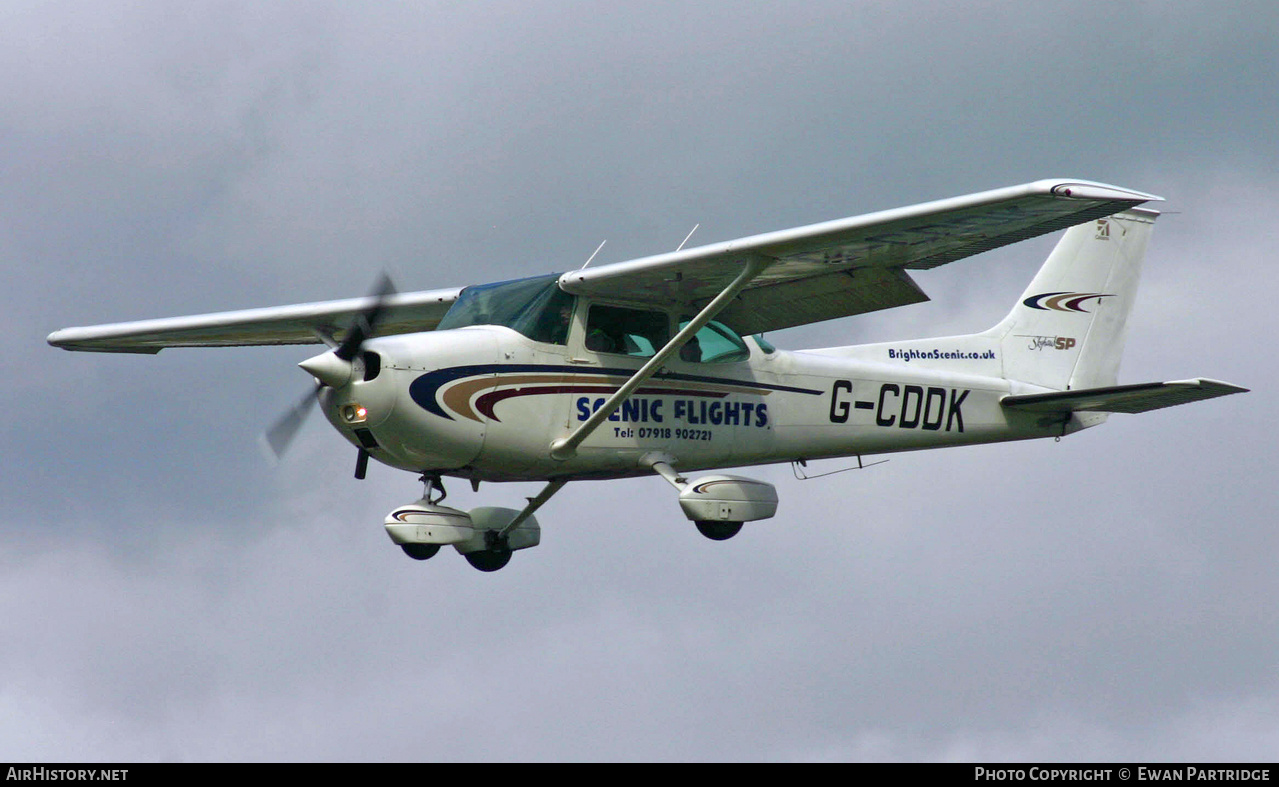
(168, 595)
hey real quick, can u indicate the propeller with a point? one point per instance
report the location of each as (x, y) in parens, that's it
(366, 321)
(281, 434)
(334, 366)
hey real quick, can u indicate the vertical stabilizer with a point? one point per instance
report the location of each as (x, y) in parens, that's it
(1067, 331)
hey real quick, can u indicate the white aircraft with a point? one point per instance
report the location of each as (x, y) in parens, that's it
(642, 367)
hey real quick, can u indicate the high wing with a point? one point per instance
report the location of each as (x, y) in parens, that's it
(303, 323)
(818, 272)
(855, 265)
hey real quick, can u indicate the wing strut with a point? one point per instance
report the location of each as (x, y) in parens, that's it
(566, 447)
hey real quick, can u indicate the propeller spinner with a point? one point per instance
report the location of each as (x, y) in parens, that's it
(331, 369)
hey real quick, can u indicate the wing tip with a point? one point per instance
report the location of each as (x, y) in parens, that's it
(1209, 384)
(1075, 188)
(77, 340)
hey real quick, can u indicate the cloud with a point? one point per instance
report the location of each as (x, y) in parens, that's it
(168, 596)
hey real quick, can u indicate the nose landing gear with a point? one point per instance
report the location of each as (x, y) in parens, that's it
(485, 536)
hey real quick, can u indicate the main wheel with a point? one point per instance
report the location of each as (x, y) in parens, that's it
(420, 551)
(718, 531)
(489, 559)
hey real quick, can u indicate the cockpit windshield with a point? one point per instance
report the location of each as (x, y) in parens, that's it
(535, 307)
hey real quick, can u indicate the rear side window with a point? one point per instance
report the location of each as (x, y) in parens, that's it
(615, 329)
(714, 343)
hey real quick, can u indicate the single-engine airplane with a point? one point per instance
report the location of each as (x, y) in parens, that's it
(659, 366)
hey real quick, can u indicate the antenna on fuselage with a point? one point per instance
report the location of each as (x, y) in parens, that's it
(689, 235)
(597, 251)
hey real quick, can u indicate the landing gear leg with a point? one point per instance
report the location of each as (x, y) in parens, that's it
(433, 482)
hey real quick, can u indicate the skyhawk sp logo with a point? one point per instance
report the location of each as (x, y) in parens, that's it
(1063, 301)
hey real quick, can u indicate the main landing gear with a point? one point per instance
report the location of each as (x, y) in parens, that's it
(717, 504)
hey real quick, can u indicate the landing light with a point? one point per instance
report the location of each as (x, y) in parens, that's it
(354, 414)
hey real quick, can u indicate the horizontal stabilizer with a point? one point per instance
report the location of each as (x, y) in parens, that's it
(1123, 398)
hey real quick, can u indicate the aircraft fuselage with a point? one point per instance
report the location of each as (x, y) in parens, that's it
(485, 402)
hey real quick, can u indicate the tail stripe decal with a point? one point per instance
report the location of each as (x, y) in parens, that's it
(1063, 301)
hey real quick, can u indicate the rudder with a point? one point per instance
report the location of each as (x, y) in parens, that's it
(1067, 331)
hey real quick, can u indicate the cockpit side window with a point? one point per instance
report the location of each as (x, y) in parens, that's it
(615, 329)
(549, 319)
(535, 307)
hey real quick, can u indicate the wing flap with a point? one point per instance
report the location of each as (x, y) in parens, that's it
(1139, 398)
(918, 237)
(303, 323)
(818, 298)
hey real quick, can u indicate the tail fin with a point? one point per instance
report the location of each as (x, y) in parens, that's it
(1066, 333)
(1068, 329)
